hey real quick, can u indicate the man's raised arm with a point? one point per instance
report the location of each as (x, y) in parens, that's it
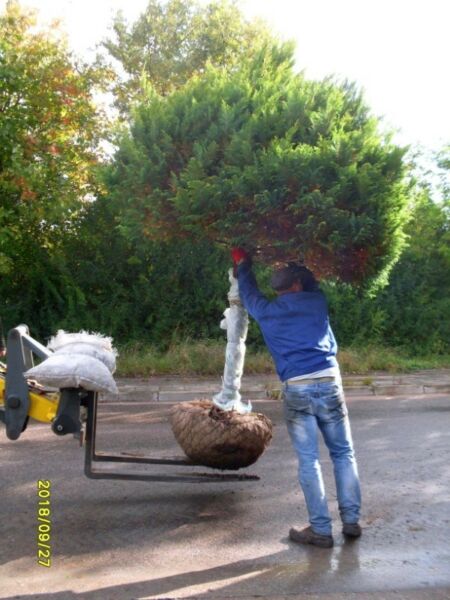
(252, 299)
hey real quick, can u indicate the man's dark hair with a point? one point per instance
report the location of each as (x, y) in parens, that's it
(283, 279)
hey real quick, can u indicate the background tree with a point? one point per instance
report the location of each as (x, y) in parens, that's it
(173, 40)
(49, 134)
(413, 311)
(443, 163)
(139, 290)
(262, 157)
(417, 302)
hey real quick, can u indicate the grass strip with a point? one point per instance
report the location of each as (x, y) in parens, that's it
(206, 357)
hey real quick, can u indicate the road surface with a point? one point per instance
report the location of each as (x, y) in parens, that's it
(122, 540)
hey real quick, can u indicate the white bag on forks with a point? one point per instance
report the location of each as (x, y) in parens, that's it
(79, 360)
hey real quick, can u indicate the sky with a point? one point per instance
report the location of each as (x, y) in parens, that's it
(397, 51)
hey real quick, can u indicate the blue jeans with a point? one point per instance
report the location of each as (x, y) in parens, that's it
(309, 408)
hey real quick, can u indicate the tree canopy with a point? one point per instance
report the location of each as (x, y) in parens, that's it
(264, 158)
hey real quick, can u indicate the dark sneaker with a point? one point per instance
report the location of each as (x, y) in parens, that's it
(308, 536)
(352, 530)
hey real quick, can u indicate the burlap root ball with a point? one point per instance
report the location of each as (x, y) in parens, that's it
(220, 439)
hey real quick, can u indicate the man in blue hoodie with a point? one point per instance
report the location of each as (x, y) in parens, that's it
(297, 332)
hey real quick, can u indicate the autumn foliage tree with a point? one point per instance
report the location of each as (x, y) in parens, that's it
(50, 128)
(261, 157)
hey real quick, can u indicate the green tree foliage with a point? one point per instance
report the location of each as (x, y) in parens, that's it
(262, 157)
(417, 303)
(443, 163)
(143, 290)
(252, 154)
(413, 311)
(49, 133)
(173, 40)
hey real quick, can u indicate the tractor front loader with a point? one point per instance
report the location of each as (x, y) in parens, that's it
(74, 411)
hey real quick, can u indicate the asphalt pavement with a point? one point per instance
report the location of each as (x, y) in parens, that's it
(128, 540)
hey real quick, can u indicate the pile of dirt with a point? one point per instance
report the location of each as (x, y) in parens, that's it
(220, 439)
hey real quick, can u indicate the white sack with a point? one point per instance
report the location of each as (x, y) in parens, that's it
(89, 349)
(62, 338)
(74, 370)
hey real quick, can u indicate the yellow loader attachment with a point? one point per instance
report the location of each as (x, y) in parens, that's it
(43, 404)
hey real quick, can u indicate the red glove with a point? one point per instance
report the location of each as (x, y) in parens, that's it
(239, 255)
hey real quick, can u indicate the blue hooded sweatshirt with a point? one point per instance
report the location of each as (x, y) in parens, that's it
(295, 327)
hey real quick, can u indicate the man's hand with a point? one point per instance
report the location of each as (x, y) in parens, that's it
(239, 255)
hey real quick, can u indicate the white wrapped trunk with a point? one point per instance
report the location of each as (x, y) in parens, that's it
(236, 325)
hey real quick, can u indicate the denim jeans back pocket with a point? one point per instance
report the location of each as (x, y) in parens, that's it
(331, 405)
(296, 404)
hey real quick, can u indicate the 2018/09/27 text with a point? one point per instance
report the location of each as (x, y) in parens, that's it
(44, 523)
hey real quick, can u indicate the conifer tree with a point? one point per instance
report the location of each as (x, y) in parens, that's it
(263, 158)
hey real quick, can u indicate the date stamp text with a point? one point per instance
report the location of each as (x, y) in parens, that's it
(44, 523)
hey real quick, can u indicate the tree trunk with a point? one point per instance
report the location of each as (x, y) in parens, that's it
(224, 433)
(236, 325)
